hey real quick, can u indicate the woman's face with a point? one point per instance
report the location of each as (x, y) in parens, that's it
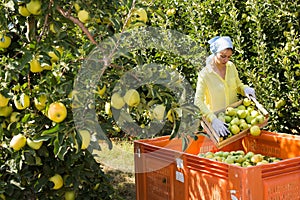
(223, 56)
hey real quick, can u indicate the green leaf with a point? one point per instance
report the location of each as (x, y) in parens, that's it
(52, 130)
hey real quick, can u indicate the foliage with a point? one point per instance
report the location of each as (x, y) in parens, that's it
(265, 35)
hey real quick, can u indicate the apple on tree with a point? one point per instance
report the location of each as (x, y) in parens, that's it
(34, 7)
(5, 41)
(3, 100)
(17, 142)
(33, 144)
(132, 98)
(57, 112)
(57, 180)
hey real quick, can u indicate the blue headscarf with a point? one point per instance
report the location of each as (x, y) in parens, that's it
(218, 43)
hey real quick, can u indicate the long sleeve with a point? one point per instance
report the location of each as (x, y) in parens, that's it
(214, 93)
(200, 98)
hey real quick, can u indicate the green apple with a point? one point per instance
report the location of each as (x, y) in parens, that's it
(34, 145)
(246, 164)
(250, 108)
(230, 111)
(254, 113)
(221, 114)
(241, 113)
(241, 107)
(260, 119)
(243, 126)
(255, 130)
(229, 160)
(246, 102)
(239, 159)
(249, 155)
(249, 118)
(235, 121)
(227, 118)
(234, 129)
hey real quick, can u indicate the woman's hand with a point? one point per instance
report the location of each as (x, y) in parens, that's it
(220, 127)
(249, 92)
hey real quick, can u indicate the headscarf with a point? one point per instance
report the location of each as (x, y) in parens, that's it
(218, 44)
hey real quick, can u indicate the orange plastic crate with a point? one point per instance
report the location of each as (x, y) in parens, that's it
(164, 172)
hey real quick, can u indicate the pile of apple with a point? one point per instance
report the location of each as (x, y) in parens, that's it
(245, 116)
(239, 158)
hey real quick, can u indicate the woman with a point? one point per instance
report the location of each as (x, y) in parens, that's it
(219, 84)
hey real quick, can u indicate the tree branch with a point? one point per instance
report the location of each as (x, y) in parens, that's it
(79, 23)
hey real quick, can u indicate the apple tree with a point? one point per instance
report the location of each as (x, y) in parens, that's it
(45, 46)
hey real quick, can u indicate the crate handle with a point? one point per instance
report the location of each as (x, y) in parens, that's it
(259, 106)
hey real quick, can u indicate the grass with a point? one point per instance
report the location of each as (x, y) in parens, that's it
(118, 163)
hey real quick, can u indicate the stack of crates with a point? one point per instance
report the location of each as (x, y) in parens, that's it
(164, 172)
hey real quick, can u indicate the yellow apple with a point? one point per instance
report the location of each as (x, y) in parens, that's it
(35, 66)
(69, 195)
(5, 41)
(256, 158)
(52, 54)
(17, 142)
(132, 98)
(34, 145)
(117, 101)
(83, 16)
(57, 112)
(159, 112)
(3, 100)
(34, 7)
(171, 11)
(23, 103)
(77, 7)
(139, 14)
(5, 111)
(255, 130)
(86, 138)
(14, 117)
(57, 180)
(23, 11)
(40, 102)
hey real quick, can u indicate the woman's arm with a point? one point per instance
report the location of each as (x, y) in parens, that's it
(200, 99)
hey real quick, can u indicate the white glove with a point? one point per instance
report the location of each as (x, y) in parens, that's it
(249, 92)
(220, 127)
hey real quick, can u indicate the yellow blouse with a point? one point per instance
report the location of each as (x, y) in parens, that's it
(214, 93)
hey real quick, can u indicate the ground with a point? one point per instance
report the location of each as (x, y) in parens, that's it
(118, 163)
